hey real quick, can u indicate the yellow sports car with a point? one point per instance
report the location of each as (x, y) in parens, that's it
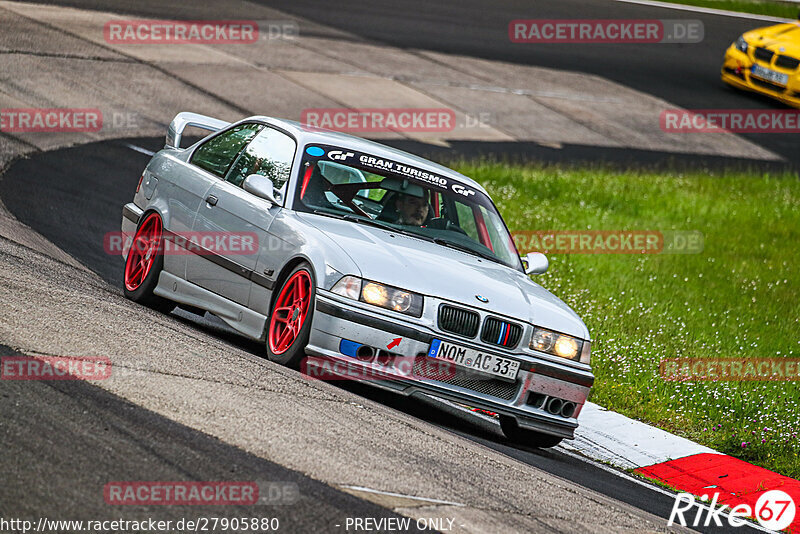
(766, 60)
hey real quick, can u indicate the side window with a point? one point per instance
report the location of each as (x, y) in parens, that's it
(217, 154)
(493, 225)
(270, 154)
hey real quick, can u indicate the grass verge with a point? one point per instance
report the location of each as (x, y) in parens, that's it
(740, 297)
(786, 10)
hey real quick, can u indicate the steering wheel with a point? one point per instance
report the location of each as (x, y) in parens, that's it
(454, 227)
(442, 223)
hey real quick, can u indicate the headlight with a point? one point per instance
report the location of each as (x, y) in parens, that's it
(388, 297)
(556, 344)
(741, 44)
(392, 298)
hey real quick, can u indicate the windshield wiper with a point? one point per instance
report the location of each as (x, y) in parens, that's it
(386, 226)
(465, 248)
(328, 214)
(371, 222)
(359, 219)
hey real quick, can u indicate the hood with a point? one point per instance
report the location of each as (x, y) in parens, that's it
(786, 36)
(423, 267)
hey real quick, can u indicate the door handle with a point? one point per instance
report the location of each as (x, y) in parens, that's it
(211, 200)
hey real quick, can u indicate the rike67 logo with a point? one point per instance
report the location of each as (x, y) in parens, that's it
(774, 510)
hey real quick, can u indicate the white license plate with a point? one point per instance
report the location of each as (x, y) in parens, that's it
(474, 359)
(770, 75)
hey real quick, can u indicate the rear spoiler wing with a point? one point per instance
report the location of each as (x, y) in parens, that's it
(182, 120)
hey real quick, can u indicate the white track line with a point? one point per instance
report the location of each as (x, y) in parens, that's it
(389, 493)
(140, 149)
(611, 437)
(706, 10)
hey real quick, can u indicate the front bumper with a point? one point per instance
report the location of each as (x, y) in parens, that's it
(736, 72)
(401, 368)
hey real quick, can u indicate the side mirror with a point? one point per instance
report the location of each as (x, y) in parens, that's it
(260, 186)
(535, 263)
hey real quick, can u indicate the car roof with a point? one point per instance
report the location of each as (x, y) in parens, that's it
(306, 135)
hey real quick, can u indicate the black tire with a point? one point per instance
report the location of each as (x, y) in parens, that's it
(524, 436)
(292, 356)
(143, 294)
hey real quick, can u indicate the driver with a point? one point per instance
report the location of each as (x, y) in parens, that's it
(411, 210)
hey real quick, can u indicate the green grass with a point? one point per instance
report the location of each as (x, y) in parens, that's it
(759, 7)
(739, 298)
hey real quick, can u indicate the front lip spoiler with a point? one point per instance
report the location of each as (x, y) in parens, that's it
(412, 333)
(546, 424)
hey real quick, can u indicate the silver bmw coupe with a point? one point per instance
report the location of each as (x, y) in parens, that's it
(350, 259)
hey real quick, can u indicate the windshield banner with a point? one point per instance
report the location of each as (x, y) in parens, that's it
(383, 166)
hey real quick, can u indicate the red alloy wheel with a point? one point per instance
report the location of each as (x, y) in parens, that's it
(290, 312)
(143, 252)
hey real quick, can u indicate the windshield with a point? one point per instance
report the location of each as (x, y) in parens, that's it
(402, 198)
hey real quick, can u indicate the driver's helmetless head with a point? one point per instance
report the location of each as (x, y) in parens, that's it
(412, 210)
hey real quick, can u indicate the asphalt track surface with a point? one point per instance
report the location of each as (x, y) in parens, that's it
(63, 212)
(63, 457)
(686, 75)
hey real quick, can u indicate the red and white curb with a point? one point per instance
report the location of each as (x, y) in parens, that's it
(612, 438)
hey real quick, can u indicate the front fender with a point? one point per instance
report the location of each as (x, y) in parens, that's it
(292, 240)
